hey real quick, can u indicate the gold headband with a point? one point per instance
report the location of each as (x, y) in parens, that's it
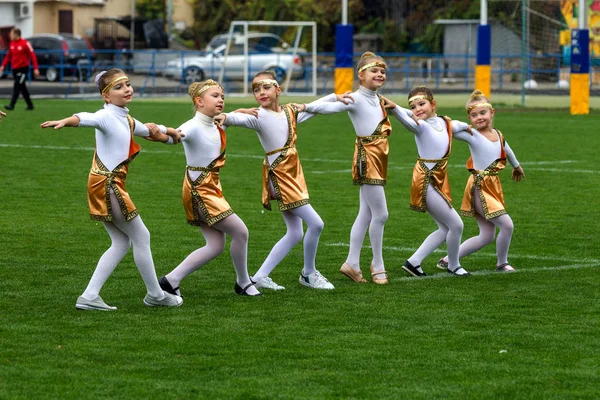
(113, 83)
(419, 97)
(372, 64)
(265, 82)
(482, 104)
(207, 85)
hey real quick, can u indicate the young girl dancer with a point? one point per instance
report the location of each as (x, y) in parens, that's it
(369, 168)
(283, 179)
(430, 189)
(483, 198)
(205, 206)
(108, 199)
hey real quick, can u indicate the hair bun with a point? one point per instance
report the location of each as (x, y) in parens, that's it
(98, 76)
(192, 89)
(367, 54)
(476, 93)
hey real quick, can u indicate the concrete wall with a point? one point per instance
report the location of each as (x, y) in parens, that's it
(46, 15)
(9, 17)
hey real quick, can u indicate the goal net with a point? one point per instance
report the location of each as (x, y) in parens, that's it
(288, 48)
(526, 43)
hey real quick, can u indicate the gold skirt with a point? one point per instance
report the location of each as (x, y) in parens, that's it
(203, 199)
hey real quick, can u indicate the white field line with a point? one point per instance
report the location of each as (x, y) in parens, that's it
(329, 160)
(491, 272)
(517, 256)
(322, 160)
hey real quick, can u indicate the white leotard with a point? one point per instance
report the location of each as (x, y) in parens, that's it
(431, 135)
(112, 133)
(270, 126)
(364, 112)
(484, 151)
(202, 142)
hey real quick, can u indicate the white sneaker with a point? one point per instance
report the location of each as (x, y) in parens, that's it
(170, 300)
(315, 281)
(96, 304)
(267, 283)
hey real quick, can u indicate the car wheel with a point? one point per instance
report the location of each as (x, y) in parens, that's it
(193, 74)
(51, 74)
(279, 74)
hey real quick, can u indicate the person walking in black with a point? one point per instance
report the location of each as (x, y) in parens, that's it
(19, 55)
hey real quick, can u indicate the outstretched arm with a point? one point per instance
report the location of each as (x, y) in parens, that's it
(160, 133)
(458, 126)
(69, 121)
(2, 114)
(239, 119)
(344, 98)
(406, 117)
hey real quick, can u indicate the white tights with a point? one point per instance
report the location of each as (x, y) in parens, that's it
(215, 244)
(487, 231)
(123, 235)
(372, 215)
(293, 220)
(450, 228)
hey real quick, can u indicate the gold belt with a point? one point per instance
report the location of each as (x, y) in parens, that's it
(482, 174)
(108, 174)
(270, 153)
(372, 137)
(203, 169)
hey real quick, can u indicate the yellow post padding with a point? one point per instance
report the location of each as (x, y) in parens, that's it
(343, 79)
(483, 79)
(580, 94)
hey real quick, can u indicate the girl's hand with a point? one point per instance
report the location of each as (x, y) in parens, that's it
(175, 134)
(249, 111)
(518, 174)
(299, 107)
(220, 119)
(414, 118)
(155, 134)
(2, 114)
(388, 104)
(55, 124)
(344, 97)
(469, 130)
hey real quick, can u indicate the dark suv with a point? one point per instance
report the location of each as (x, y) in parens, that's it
(62, 56)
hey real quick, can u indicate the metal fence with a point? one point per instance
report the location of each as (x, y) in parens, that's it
(153, 75)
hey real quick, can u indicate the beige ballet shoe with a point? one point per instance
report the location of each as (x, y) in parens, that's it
(379, 281)
(353, 274)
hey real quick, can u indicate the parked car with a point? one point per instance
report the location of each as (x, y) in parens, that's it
(70, 54)
(257, 42)
(198, 68)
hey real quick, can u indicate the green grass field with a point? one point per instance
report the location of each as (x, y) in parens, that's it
(528, 335)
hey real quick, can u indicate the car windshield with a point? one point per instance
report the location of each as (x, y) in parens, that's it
(77, 44)
(217, 42)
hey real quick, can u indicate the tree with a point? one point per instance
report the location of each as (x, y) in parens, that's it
(214, 16)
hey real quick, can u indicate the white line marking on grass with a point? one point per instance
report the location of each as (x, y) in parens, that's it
(579, 171)
(333, 171)
(442, 275)
(440, 251)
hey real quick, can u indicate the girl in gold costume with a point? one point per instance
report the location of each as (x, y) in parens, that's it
(483, 198)
(283, 179)
(205, 206)
(430, 189)
(369, 165)
(108, 199)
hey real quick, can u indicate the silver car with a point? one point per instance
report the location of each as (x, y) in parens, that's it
(197, 68)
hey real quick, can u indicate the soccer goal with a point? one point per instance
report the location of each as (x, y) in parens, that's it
(254, 46)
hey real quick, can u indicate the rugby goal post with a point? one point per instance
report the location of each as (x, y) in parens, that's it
(243, 28)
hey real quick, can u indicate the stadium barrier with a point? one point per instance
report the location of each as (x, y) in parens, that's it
(545, 73)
